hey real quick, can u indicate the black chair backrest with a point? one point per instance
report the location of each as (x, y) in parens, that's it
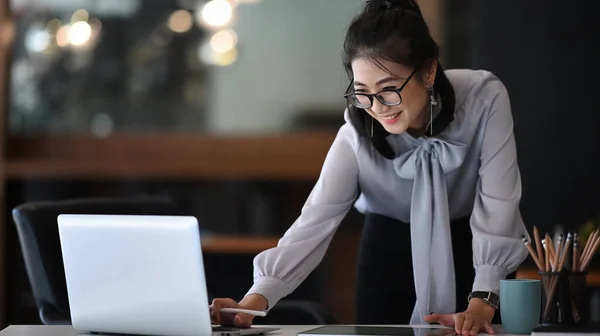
(37, 229)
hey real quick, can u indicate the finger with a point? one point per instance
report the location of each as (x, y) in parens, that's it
(448, 332)
(467, 325)
(448, 320)
(488, 328)
(243, 320)
(227, 319)
(215, 312)
(431, 318)
(458, 323)
(475, 329)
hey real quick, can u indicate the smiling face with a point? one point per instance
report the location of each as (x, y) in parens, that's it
(371, 78)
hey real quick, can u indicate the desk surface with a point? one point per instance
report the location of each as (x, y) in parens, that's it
(43, 330)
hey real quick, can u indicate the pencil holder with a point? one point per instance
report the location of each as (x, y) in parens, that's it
(565, 300)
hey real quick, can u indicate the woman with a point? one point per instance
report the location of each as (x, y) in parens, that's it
(429, 157)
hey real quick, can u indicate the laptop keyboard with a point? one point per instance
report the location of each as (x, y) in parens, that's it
(224, 329)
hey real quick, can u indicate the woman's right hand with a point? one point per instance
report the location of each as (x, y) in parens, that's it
(241, 320)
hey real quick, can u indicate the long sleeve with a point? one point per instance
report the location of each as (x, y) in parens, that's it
(280, 270)
(496, 222)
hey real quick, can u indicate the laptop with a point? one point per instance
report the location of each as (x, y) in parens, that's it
(139, 275)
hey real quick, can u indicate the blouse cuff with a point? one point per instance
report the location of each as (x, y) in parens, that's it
(271, 288)
(487, 278)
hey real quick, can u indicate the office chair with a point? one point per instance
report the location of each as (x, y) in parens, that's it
(40, 244)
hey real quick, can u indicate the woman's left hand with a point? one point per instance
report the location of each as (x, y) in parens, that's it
(477, 318)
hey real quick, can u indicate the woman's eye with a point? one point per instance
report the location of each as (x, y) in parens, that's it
(360, 90)
(390, 88)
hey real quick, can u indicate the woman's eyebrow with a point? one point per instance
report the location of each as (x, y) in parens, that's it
(381, 81)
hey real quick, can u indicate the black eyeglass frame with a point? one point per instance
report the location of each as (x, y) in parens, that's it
(376, 95)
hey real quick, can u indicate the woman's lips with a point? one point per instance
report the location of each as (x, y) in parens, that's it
(391, 118)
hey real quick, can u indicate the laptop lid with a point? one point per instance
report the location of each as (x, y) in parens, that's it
(135, 274)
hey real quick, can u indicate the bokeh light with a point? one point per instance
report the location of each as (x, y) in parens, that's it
(223, 41)
(180, 21)
(79, 33)
(216, 13)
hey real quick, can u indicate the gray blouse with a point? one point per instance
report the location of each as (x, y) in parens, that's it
(469, 169)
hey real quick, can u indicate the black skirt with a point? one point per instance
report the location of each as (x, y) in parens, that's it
(385, 291)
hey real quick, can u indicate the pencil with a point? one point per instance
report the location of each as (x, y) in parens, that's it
(565, 250)
(547, 257)
(554, 279)
(591, 253)
(575, 265)
(538, 245)
(545, 278)
(558, 251)
(588, 245)
(532, 253)
(559, 260)
(551, 251)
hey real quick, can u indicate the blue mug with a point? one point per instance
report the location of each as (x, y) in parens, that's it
(520, 305)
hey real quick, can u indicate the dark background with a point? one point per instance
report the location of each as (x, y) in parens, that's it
(546, 53)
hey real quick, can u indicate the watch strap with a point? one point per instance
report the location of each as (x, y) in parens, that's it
(491, 298)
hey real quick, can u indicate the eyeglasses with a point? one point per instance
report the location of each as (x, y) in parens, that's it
(386, 97)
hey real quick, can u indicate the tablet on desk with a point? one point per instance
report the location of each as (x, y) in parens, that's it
(592, 328)
(336, 330)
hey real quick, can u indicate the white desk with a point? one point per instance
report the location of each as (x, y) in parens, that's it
(42, 330)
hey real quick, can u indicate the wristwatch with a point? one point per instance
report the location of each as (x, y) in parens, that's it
(491, 298)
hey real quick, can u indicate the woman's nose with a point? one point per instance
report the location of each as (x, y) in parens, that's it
(378, 107)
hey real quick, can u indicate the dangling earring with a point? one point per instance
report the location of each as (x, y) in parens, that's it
(432, 103)
(372, 127)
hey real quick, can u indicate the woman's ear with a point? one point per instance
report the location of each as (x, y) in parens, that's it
(431, 72)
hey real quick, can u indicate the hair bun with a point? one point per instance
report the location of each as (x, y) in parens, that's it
(410, 5)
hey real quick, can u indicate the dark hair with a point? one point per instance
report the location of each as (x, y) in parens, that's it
(394, 30)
